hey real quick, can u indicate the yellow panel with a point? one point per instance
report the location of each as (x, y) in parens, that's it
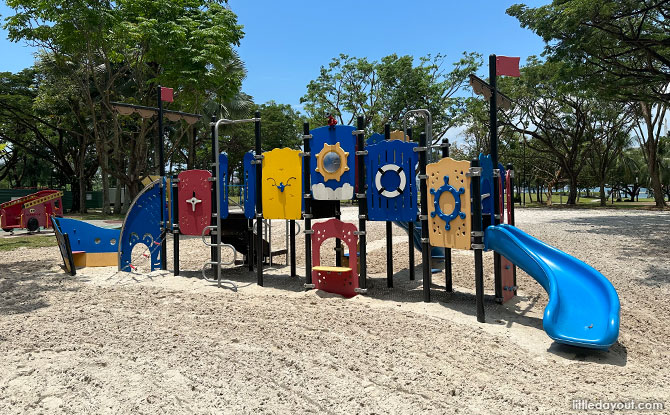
(331, 269)
(102, 259)
(399, 135)
(282, 184)
(79, 259)
(458, 236)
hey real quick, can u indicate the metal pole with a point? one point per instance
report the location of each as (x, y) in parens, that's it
(307, 196)
(292, 243)
(525, 182)
(477, 238)
(494, 158)
(338, 242)
(410, 226)
(448, 284)
(510, 168)
(175, 223)
(259, 199)
(425, 246)
(362, 205)
(215, 219)
(161, 168)
(389, 231)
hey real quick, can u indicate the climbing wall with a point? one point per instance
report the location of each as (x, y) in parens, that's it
(142, 225)
(392, 190)
(449, 211)
(282, 184)
(333, 162)
(195, 201)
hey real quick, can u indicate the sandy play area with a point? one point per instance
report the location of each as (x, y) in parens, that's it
(108, 342)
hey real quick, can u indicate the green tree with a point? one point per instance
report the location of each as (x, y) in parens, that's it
(384, 91)
(121, 51)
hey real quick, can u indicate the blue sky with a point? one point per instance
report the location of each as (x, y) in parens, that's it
(286, 42)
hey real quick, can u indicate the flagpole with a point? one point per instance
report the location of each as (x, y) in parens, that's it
(494, 158)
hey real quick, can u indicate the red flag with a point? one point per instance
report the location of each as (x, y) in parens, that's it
(506, 65)
(167, 94)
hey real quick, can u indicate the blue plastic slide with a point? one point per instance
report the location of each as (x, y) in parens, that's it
(435, 253)
(583, 308)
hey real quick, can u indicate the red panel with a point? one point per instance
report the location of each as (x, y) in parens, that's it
(338, 283)
(507, 276)
(195, 201)
(342, 283)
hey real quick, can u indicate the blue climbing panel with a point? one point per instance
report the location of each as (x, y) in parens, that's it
(486, 184)
(392, 190)
(249, 189)
(142, 225)
(334, 180)
(89, 238)
(223, 184)
(374, 139)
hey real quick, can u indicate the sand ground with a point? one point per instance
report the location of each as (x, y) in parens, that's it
(108, 342)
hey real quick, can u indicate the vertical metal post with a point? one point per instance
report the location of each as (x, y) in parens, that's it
(510, 168)
(292, 243)
(259, 199)
(161, 172)
(493, 120)
(524, 181)
(362, 204)
(410, 225)
(448, 284)
(175, 222)
(389, 230)
(213, 249)
(477, 238)
(338, 242)
(425, 246)
(307, 196)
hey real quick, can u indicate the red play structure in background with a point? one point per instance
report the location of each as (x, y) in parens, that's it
(31, 212)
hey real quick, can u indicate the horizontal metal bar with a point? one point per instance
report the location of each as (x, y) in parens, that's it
(361, 290)
(360, 195)
(228, 122)
(307, 195)
(362, 153)
(308, 231)
(142, 107)
(423, 177)
(358, 132)
(419, 149)
(211, 179)
(425, 240)
(307, 216)
(306, 136)
(309, 286)
(477, 246)
(477, 233)
(359, 232)
(423, 217)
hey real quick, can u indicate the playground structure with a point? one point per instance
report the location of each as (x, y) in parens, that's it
(443, 204)
(31, 212)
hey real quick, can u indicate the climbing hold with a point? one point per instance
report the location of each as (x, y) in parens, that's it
(457, 203)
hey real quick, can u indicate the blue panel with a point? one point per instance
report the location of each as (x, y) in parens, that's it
(223, 184)
(486, 184)
(374, 139)
(388, 164)
(249, 189)
(583, 308)
(89, 238)
(142, 226)
(331, 135)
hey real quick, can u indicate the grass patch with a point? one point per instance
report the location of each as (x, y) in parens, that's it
(10, 244)
(94, 215)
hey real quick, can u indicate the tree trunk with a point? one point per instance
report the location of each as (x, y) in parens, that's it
(76, 200)
(82, 193)
(105, 193)
(117, 197)
(572, 195)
